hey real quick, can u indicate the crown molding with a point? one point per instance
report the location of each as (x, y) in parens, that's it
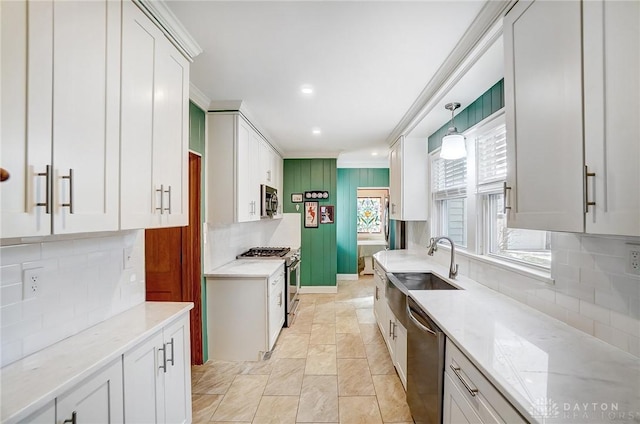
(198, 97)
(158, 11)
(480, 35)
(312, 155)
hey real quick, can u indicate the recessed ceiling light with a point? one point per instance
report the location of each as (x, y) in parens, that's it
(316, 131)
(374, 153)
(306, 89)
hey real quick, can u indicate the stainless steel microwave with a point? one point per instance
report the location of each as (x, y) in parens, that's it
(268, 201)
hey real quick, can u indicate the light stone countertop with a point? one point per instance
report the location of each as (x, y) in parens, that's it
(31, 382)
(248, 268)
(550, 371)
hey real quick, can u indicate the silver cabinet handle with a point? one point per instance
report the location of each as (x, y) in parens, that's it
(269, 176)
(47, 189)
(280, 299)
(377, 298)
(70, 178)
(504, 197)
(587, 203)
(395, 335)
(169, 193)
(172, 353)
(417, 323)
(161, 191)
(164, 358)
(456, 371)
(73, 418)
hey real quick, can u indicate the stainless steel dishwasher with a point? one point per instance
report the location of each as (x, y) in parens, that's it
(425, 366)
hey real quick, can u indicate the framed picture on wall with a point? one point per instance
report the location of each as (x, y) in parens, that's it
(296, 197)
(310, 214)
(326, 214)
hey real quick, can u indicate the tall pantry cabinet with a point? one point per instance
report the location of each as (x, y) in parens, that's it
(60, 117)
(572, 100)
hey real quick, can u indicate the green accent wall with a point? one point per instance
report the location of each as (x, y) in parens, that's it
(490, 102)
(318, 244)
(197, 118)
(349, 179)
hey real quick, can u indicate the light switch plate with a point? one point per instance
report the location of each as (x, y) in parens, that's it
(127, 257)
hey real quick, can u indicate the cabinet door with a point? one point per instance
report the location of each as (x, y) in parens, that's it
(390, 322)
(276, 306)
(543, 103)
(244, 200)
(170, 130)
(611, 108)
(455, 408)
(379, 300)
(139, 43)
(401, 352)
(144, 382)
(395, 181)
(177, 387)
(86, 110)
(265, 173)
(25, 117)
(97, 400)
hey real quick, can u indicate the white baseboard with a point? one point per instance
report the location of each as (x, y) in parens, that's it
(318, 289)
(347, 276)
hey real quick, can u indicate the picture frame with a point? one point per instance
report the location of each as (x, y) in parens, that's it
(311, 215)
(326, 214)
(296, 197)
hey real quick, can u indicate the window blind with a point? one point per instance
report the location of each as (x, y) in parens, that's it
(448, 178)
(491, 154)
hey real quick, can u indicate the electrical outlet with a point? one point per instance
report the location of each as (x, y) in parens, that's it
(633, 259)
(31, 283)
(127, 258)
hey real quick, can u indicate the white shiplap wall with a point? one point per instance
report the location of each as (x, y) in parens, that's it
(83, 282)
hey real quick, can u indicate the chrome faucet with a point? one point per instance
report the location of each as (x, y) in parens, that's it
(433, 246)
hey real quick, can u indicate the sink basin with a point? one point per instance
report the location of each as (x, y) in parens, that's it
(399, 284)
(419, 281)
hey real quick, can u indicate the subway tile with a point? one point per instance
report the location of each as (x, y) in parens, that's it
(603, 245)
(546, 307)
(585, 294)
(546, 294)
(611, 336)
(10, 294)
(566, 241)
(625, 323)
(596, 279)
(560, 256)
(10, 255)
(614, 302)
(609, 264)
(20, 330)
(11, 314)
(580, 322)
(57, 249)
(568, 302)
(634, 345)
(626, 285)
(11, 352)
(595, 312)
(583, 260)
(10, 274)
(568, 272)
(72, 262)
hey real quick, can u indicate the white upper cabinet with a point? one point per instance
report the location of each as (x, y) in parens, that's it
(409, 180)
(611, 31)
(239, 160)
(566, 172)
(154, 144)
(60, 137)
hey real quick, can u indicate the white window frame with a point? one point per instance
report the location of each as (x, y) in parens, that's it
(477, 209)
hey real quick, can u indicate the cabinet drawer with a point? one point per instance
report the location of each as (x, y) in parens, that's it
(483, 398)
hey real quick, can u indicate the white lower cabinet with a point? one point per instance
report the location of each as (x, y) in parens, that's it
(379, 298)
(157, 379)
(98, 399)
(469, 397)
(245, 315)
(396, 339)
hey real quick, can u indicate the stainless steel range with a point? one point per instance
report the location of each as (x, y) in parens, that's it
(292, 272)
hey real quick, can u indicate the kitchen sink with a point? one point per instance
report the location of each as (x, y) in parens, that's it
(399, 284)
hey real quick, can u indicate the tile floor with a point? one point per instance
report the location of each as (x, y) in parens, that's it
(331, 366)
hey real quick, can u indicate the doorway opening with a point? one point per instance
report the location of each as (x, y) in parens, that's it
(372, 225)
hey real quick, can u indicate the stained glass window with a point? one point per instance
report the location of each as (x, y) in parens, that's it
(369, 214)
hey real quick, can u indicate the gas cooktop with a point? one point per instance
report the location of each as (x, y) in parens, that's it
(265, 252)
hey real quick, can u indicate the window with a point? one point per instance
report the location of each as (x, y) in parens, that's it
(369, 214)
(468, 200)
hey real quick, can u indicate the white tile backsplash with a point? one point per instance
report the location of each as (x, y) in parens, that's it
(591, 290)
(82, 283)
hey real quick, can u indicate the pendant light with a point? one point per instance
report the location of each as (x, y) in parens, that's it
(453, 146)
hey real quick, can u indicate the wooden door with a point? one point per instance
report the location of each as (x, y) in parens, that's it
(173, 261)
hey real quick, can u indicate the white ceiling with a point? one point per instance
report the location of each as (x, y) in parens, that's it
(367, 61)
